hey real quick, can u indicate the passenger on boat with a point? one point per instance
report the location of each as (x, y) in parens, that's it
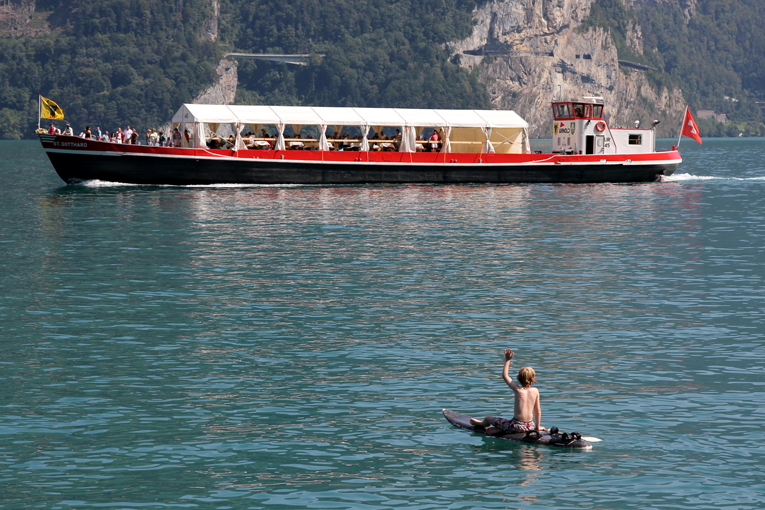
(68, 130)
(120, 135)
(176, 137)
(52, 130)
(391, 145)
(105, 136)
(162, 139)
(113, 138)
(153, 137)
(87, 133)
(128, 135)
(434, 138)
(98, 132)
(296, 145)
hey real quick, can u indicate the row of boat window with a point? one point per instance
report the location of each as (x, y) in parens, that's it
(577, 111)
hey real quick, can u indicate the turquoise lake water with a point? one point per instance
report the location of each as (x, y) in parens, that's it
(292, 347)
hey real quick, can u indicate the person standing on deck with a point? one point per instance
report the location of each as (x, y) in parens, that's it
(434, 138)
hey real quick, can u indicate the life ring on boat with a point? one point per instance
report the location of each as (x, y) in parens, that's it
(600, 126)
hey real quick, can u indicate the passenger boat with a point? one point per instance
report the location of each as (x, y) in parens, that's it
(472, 146)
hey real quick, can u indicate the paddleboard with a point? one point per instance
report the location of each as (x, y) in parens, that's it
(559, 440)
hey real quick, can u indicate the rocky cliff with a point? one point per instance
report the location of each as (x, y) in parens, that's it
(222, 91)
(530, 51)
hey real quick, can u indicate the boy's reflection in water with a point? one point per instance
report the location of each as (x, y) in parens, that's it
(520, 456)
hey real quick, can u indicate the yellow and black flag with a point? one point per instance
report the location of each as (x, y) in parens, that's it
(50, 110)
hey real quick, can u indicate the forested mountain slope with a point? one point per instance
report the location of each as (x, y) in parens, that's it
(113, 62)
(714, 50)
(107, 61)
(377, 53)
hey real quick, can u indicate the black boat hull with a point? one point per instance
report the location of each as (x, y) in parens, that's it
(73, 166)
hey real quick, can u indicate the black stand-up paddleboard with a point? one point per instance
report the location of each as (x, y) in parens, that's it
(547, 438)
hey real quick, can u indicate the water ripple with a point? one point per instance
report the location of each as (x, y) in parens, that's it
(292, 347)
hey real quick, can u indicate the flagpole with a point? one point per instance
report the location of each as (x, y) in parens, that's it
(682, 125)
(39, 109)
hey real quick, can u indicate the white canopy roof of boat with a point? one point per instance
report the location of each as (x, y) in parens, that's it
(500, 118)
(303, 115)
(211, 113)
(343, 116)
(253, 114)
(380, 116)
(318, 115)
(420, 117)
(462, 118)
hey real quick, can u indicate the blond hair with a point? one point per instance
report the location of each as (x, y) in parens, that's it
(526, 376)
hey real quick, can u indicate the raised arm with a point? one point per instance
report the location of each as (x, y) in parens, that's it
(506, 370)
(538, 413)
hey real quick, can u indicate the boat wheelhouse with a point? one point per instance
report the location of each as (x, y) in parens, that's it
(579, 128)
(257, 144)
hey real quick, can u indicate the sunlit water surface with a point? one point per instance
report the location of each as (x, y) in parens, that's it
(292, 347)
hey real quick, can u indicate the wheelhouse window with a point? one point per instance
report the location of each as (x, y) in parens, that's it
(563, 111)
(582, 111)
(597, 111)
(636, 140)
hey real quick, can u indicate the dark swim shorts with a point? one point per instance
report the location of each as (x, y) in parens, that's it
(511, 426)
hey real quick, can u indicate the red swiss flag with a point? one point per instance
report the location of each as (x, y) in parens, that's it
(690, 128)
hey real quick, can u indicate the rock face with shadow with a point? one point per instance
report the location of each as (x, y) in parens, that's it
(530, 51)
(224, 90)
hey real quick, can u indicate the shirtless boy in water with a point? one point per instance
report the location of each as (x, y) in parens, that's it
(526, 404)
